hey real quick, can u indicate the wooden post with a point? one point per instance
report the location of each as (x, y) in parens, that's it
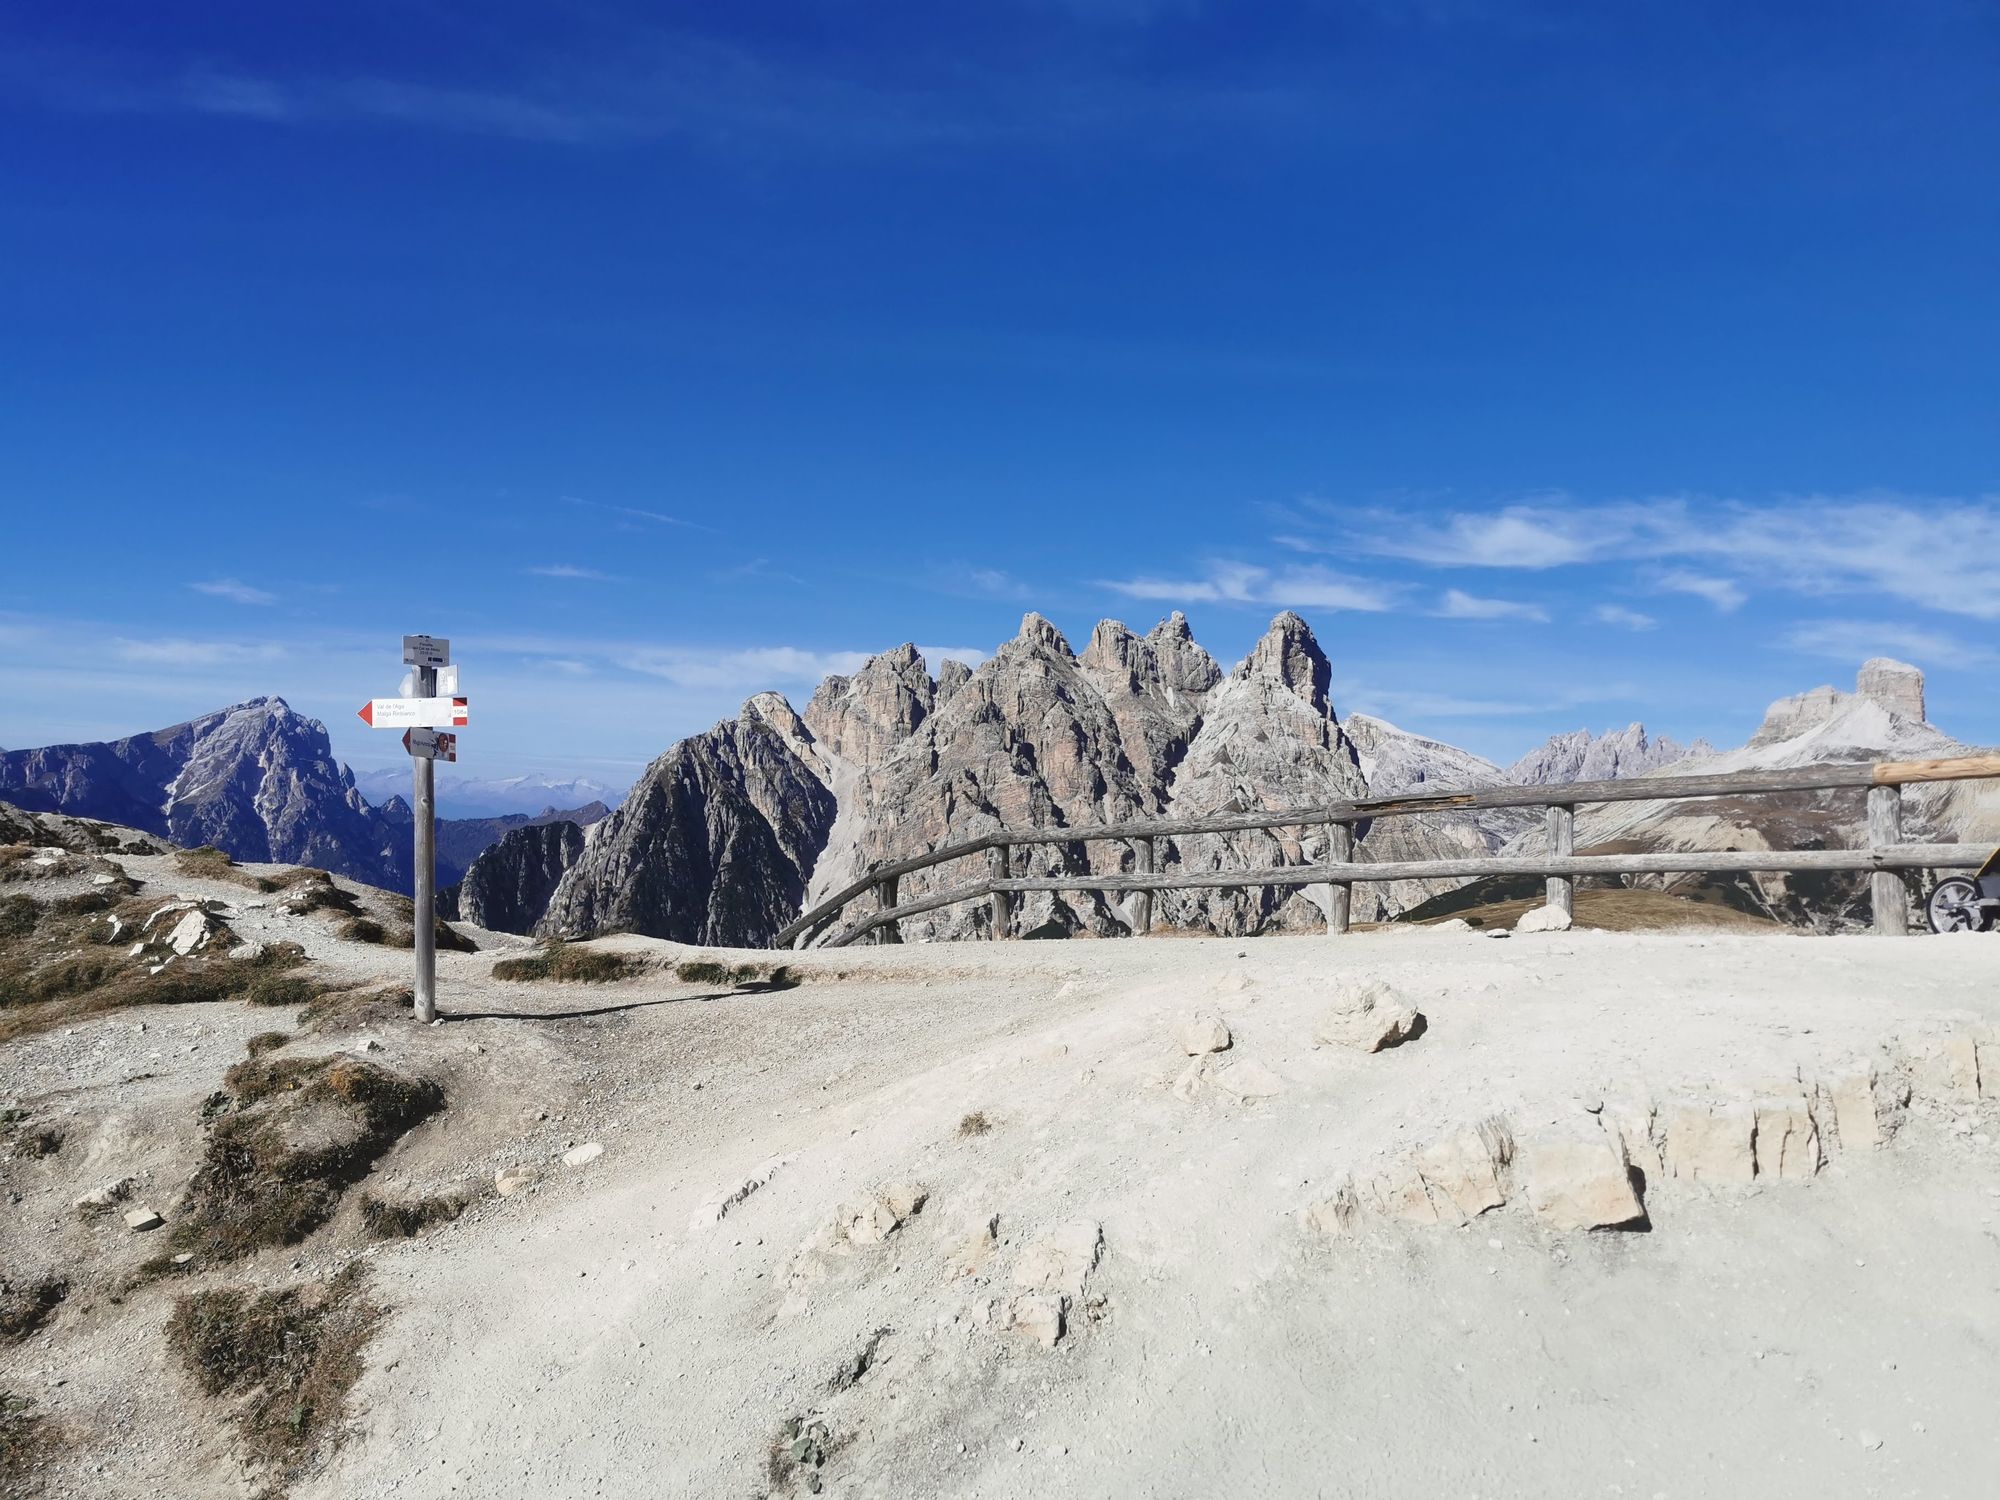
(997, 863)
(885, 893)
(1887, 890)
(423, 891)
(1339, 894)
(1561, 891)
(1142, 864)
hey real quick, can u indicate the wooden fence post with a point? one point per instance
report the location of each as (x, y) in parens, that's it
(885, 893)
(1142, 864)
(998, 862)
(1888, 891)
(1561, 891)
(1339, 894)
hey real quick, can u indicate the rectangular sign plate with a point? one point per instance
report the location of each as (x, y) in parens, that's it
(399, 713)
(447, 683)
(426, 651)
(429, 744)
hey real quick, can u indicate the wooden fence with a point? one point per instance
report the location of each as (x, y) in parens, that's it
(1885, 855)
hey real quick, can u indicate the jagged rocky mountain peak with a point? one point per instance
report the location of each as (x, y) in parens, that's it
(1039, 633)
(1289, 653)
(863, 718)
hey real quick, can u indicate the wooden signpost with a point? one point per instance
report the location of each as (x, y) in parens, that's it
(426, 707)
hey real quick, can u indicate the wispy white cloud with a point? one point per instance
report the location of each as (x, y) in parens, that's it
(750, 669)
(640, 513)
(1856, 640)
(186, 653)
(1724, 594)
(235, 590)
(1459, 605)
(568, 570)
(1934, 552)
(1243, 583)
(1623, 618)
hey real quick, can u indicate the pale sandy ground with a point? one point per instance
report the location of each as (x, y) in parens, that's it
(591, 1336)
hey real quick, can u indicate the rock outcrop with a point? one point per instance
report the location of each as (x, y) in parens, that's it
(258, 781)
(1583, 756)
(507, 888)
(715, 843)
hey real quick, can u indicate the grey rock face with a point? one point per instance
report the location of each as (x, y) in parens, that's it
(864, 717)
(1583, 756)
(258, 781)
(714, 845)
(1268, 738)
(508, 886)
(460, 841)
(1896, 685)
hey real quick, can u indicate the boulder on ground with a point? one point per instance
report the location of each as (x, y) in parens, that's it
(510, 1180)
(1787, 1137)
(1248, 1080)
(1469, 1170)
(1039, 1316)
(1944, 1070)
(1199, 1034)
(1367, 1015)
(1544, 919)
(879, 1215)
(1578, 1177)
(1707, 1144)
(191, 932)
(142, 1219)
(584, 1155)
(1061, 1260)
(1866, 1107)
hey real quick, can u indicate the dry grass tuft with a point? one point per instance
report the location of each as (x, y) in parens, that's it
(296, 1133)
(735, 976)
(569, 964)
(288, 1359)
(27, 1445)
(975, 1123)
(25, 1306)
(388, 1220)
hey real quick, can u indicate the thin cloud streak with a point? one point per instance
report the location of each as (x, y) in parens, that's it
(1459, 605)
(235, 590)
(1243, 583)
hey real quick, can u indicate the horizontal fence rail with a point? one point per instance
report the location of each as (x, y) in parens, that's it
(1886, 856)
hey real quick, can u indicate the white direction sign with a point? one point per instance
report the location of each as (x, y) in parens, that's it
(405, 713)
(428, 744)
(426, 651)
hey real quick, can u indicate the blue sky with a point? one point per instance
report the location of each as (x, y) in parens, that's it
(1562, 364)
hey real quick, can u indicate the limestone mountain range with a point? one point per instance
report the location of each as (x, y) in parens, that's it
(733, 831)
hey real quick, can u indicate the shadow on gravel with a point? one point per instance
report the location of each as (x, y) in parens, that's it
(741, 992)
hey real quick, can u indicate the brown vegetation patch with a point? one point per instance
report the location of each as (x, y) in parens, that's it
(288, 1359)
(26, 1305)
(1501, 902)
(75, 959)
(565, 962)
(347, 1010)
(391, 1220)
(300, 1131)
(734, 976)
(27, 1444)
(975, 1123)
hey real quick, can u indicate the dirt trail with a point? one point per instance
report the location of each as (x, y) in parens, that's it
(610, 1331)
